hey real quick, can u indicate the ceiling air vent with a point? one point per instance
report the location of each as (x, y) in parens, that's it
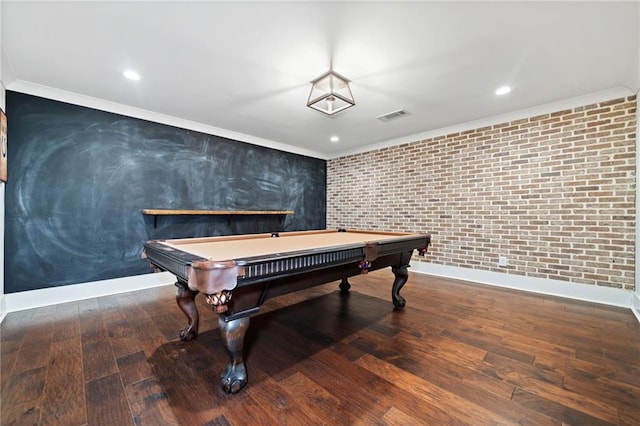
(393, 115)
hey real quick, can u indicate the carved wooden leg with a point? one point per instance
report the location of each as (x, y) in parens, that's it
(344, 286)
(234, 376)
(186, 301)
(402, 275)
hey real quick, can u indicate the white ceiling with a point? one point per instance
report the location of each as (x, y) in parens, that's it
(246, 67)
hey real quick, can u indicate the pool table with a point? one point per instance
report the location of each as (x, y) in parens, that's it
(238, 273)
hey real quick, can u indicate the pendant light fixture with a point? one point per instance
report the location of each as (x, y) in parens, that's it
(330, 93)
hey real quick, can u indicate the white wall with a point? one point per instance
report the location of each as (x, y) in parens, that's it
(633, 82)
(3, 303)
(635, 304)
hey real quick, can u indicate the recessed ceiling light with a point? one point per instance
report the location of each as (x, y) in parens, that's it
(503, 90)
(334, 139)
(131, 75)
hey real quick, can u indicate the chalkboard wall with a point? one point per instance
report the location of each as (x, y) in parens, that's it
(79, 178)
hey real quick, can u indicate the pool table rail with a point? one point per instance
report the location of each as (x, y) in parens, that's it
(248, 269)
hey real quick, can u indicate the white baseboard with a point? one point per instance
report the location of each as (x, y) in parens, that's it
(3, 307)
(635, 305)
(69, 293)
(576, 291)
(589, 293)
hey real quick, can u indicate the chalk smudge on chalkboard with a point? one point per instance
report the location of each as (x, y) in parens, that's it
(79, 179)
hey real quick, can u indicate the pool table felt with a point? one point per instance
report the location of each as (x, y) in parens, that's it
(233, 249)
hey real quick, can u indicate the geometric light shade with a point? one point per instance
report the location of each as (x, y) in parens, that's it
(330, 93)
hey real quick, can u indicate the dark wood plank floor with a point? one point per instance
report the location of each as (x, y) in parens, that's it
(458, 354)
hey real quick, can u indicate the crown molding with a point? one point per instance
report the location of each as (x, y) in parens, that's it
(591, 98)
(34, 89)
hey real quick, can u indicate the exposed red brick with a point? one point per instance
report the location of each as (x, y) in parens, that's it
(554, 193)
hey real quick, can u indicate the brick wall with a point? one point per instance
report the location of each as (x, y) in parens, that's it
(554, 193)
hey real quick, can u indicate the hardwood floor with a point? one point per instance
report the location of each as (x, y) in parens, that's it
(459, 353)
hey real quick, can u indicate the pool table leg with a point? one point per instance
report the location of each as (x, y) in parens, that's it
(401, 276)
(186, 301)
(234, 376)
(344, 286)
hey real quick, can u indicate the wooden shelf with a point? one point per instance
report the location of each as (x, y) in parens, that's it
(167, 212)
(181, 212)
